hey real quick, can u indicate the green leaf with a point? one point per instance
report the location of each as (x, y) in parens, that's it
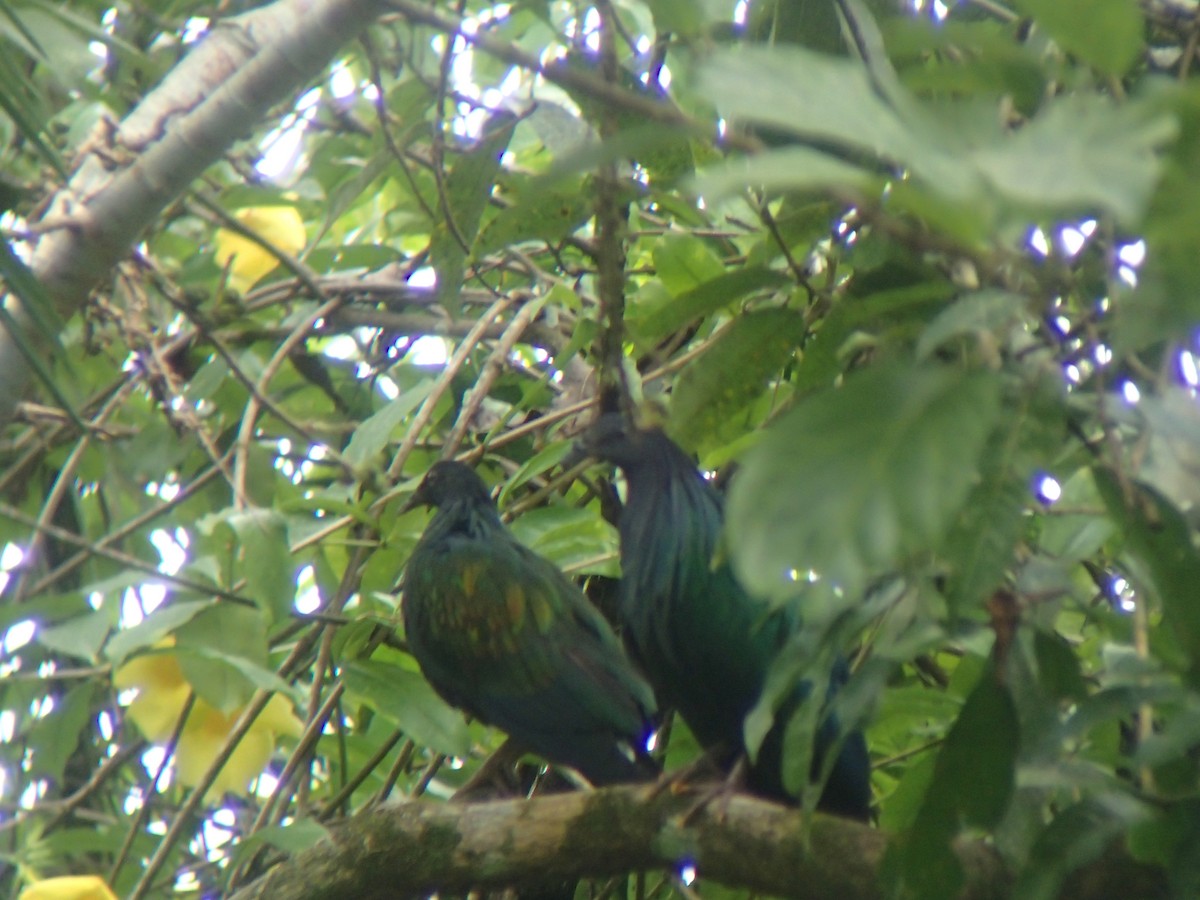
(735, 369)
(1158, 540)
(238, 673)
(468, 186)
(978, 313)
(1167, 300)
(891, 298)
(266, 559)
(216, 681)
(373, 433)
(34, 48)
(54, 737)
(854, 479)
(972, 784)
(677, 16)
(1171, 840)
(683, 262)
(788, 168)
(1119, 703)
(1059, 670)
(1172, 461)
(1072, 536)
(980, 549)
(1105, 33)
(1080, 153)
(542, 461)
(573, 539)
(959, 58)
(659, 319)
(297, 835)
(543, 210)
(817, 25)
(81, 637)
(76, 842)
(294, 837)
(1078, 835)
(39, 312)
(904, 803)
(223, 655)
(153, 628)
(207, 381)
(830, 98)
(407, 699)
(26, 107)
(559, 128)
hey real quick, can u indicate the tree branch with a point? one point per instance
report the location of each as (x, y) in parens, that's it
(420, 847)
(129, 173)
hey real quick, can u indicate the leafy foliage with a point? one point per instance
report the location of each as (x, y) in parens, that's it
(926, 289)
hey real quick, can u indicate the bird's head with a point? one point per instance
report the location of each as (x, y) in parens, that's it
(446, 481)
(613, 438)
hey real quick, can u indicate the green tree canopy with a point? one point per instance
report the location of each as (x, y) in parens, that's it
(919, 286)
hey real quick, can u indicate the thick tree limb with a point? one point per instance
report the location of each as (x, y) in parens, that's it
(419, 847)
(129, 173)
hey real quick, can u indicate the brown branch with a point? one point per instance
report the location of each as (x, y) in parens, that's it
(414, 323)
(186, 814)
(128, 560)
(118, 533)
(487, 378)
(595, 87)
(417, 848)
(425, 414)
(611, 224)
(246, 433)
(128, 174)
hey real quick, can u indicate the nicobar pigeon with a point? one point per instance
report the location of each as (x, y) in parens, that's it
(705, 644)
(501, 633)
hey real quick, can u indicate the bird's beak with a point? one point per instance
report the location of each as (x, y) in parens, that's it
(417, 499)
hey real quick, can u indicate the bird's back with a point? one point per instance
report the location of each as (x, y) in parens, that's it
(705, 643)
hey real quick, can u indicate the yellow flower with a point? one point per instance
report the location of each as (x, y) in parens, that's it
(206, 732)
(69, 887)
(162, 692)
(162, 695)
(278, 225)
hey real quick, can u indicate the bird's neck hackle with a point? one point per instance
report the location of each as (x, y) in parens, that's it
(672, 508)
(467, 516)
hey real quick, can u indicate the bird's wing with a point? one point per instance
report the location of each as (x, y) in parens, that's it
(593, 684)
(511, 638)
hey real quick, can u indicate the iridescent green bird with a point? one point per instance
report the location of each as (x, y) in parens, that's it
(705, 643)
(501, 633)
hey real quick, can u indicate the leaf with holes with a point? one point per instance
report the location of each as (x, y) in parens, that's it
(854, 479)
(735, 369)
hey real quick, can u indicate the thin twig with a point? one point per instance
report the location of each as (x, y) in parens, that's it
(363, 773)
(487, 378)
(598, 89)
(246, 432)
(125, 559)
(423, 416)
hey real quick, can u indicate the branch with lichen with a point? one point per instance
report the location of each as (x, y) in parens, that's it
(417, 848)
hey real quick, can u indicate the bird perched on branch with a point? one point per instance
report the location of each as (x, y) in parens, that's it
(501, 633)
(705, 644)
